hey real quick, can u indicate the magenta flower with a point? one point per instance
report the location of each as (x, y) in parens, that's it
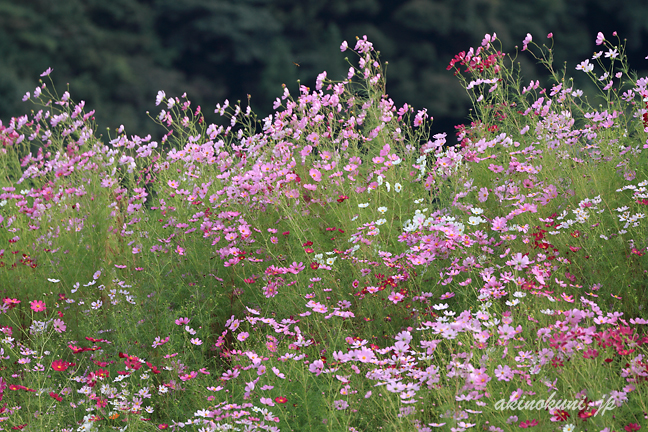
(38, 305)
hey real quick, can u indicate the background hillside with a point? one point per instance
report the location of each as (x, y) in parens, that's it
(116, 55)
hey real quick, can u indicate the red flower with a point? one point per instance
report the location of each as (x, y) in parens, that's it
(281, 399)
(342, 198)
(560, 415)
(163, 426)
(632, 426)
(60, 365)
(56, 396)
(19, 427)
(586, 414)
(314, 265)
(102, 373)
(75, 349)
(528, 423)
(153, 368)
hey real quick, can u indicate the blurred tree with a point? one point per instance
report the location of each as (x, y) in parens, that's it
(116, 55)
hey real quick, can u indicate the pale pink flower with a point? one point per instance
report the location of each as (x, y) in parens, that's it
(315, 174)
(526, 41)
(267, 401)
(483, 194)
(499, 224)
(316, 367)
(59, 325)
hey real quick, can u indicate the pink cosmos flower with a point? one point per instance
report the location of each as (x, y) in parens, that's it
(499, 224)
(182, 321)
(316, 367)
(599, 38)
(483, 194)
(267, 401)
(59, 325)
(38, 305)
(526, 41)
(519, 262)
(315, 174)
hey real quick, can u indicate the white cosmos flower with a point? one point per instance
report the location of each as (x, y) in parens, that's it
(475, 220)
(363, 205)
(398, 187)
(160, 96)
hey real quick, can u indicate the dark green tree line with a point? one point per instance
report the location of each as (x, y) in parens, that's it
(116, 55)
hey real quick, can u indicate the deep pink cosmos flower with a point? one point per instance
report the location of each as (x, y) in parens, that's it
(38, 305)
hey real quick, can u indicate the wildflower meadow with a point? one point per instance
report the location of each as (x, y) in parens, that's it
(334, 266)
